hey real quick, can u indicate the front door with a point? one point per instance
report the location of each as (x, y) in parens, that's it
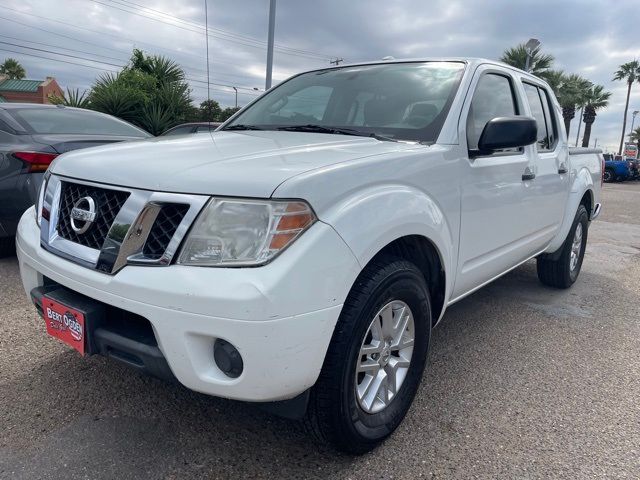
(495, 232)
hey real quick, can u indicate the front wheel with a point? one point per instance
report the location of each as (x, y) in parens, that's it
(376, 358)
(563, 271)
(608, 175)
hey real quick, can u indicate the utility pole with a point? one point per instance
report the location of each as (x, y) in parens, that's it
(595, 144)
(272, 27)
(336, 61)
(206, 34)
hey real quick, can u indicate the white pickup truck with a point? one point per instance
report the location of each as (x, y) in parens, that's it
(300, 255)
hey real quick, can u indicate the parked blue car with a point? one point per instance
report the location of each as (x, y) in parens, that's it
(616, 169)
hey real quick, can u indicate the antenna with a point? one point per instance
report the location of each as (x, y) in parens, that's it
(206, 34)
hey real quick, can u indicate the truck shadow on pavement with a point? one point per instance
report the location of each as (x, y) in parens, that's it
(496, 360)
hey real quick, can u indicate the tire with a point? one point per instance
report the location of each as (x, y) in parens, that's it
(563, 272)
(608, 175)
(336, 413)
(7, 246)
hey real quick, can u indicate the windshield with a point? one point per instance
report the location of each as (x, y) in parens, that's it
(73, 121)
(399, 101)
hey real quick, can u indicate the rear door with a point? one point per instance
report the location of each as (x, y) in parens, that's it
(550, 188)
(496, 198)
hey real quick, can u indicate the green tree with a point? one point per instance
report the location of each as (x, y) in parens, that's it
(227, 113)
(210, 111)
(539, 63)
(73, 98)
(12, 69)
(628, 72)
(151, 92)
(595, 99)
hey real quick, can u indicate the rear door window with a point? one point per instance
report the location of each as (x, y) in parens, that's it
(542, 110)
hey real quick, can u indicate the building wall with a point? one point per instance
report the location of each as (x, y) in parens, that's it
(49, 86)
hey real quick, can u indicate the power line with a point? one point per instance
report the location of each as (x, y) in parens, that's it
(108, 48)
(58, 60)
(60, 46)
(221, 31)
(250, 93)
(62, 54)
(110, 64)
(221, 36)
(118, 37)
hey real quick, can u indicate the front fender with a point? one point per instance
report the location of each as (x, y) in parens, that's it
(372, 218)
(582, 183)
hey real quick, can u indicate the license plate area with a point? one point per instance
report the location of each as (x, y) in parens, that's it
(69, 316)
(65, 323)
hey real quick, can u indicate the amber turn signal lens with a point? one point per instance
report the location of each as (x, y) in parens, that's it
(293, 221)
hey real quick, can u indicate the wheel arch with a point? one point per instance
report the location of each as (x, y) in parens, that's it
(581, 193)
(406, 222)
(587, 201)
(424, 254)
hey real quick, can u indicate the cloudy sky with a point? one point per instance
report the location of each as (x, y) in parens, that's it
(589, 37)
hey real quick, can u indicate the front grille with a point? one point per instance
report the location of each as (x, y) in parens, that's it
(163, 229)
(108, 204)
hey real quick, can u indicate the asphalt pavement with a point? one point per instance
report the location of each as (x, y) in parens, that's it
(523, 382)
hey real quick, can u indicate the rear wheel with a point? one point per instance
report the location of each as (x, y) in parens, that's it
(376, 358)
(608, 175)
(563, 271)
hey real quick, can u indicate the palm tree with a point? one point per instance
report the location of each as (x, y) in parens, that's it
(629, 72)
(539, 63)
(580, 91)
(635, 137)
(570, 91)
(12, 69)
(596, 98)
(151, 92)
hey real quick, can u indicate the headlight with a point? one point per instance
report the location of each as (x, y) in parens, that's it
(39, 202)
(230, 232)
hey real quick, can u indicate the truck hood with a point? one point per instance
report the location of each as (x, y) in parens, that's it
(247, 163)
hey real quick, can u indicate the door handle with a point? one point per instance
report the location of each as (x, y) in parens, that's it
(562, 169)
(528, 174)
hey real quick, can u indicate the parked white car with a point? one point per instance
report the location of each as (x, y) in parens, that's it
(300, 255)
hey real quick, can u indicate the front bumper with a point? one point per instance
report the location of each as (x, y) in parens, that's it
(280, 316)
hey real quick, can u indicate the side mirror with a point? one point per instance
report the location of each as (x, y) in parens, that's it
(507, 132)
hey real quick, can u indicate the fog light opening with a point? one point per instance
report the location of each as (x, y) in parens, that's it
(227, 358)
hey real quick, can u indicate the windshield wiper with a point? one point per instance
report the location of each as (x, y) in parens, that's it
(243, 127)
(333, 130)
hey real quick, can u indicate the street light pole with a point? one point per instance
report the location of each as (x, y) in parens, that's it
(529, 47)
(579, 125)
(272, 27)
(236, 90)
(206, 33)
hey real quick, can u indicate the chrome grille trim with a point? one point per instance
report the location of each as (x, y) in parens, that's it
(128, 233)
